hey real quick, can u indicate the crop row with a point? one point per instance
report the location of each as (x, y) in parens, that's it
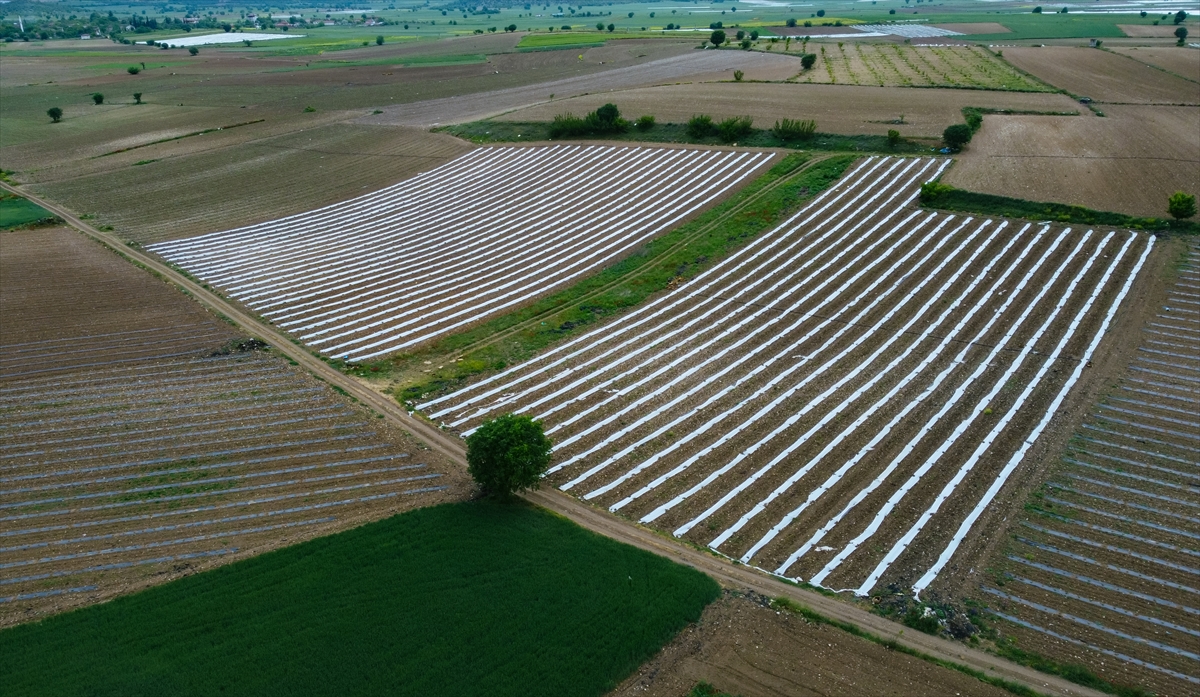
(1108, 564)
(491, 230)
(106, 472)
(862, 380)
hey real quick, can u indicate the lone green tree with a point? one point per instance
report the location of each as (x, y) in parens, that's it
(137, 97)
(1181, 205)
(55, 114)
(957, 136)
(193, 50)
(717, 38)
(98, 98)
(508, 454)
(808, 60)
(1181, 34)
(1180, 16)
(379, 40)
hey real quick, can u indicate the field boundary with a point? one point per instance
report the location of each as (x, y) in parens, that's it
(725, 572)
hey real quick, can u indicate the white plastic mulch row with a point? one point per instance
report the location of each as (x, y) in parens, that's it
(494, 229)
(835, 325)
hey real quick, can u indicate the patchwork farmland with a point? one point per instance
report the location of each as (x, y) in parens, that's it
(840, 401)
(1106, 565)
(490, 231)
(141, 438)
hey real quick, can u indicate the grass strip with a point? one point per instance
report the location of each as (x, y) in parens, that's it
(813, 616)
(526, 131)
(656, 266)
(470, 598)
(185, 135)
(17, 212)
(945, 197)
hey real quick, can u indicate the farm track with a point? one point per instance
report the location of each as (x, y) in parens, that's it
(791, 374)
(1105, 566)
(588, 516)
(379, 274)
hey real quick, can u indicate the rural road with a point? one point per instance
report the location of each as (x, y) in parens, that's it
(473, 107)
(725, 572)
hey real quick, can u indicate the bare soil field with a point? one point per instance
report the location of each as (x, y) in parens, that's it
(1103, 76)
(836, 108)
(743, 646)
(252, 181)
(1148, 31)
(1184, 62)
(1128, 162)
(779, 408)
(405, 265)
(976, 28)
(1103, 562)
(901, 65)
(69, 304)
(695, 66)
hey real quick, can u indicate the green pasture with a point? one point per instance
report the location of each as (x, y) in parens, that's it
(477, 598)
(18, 212)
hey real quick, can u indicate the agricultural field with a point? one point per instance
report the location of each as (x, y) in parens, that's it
(1104, 76)
(142, 439)
(16, 212)
(899, 65)
(850, 110)
(1184, 63)
(841, 400)
(70, 305)
(470, 598)
(402, 266)
(1130, 162)
(1104, 564)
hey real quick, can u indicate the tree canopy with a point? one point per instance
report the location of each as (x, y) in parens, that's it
(508, 454)
(717, 38)
(957, 136)
(1181, 205)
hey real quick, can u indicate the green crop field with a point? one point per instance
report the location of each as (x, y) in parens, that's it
(17, 212)
(474, 598)
(564, 39)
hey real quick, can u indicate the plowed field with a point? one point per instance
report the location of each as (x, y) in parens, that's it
(1103, 76)
(841, 400)
(1184, 62)
(493, 230)
(1106, 567)
(68, 304)
(135, 448)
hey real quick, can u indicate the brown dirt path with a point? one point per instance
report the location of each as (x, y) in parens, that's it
(725, 572)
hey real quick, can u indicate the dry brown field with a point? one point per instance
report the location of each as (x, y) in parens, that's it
(976, 28)
(135, 447)
(900, 65)
(250, 182)
(1103, 561)
(1129, 162)
(1103, 76)
(1149, 31)
(743, 646)
(70, 304)
(836, 108)
(1184, 62)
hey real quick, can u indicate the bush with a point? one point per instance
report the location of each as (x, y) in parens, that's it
(55, 114)
(1037, 10)
(741, 34)
(1181, 205)
(754, 35)
(700, 126)
(133, 70)
(893, 137)
(612, 28)
(193, 50)
(932, 191)
(735, 128)
(137, 97)
(745, 44)
(98, 98)
(738, 75)
(606, 119)
(644, 123)
(957, 136)
(717, 38)
(808, 60)
(379, 40)
(791, 22)
(508, 454)
(794, 129)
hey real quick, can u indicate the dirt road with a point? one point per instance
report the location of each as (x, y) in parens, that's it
(602, 522)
